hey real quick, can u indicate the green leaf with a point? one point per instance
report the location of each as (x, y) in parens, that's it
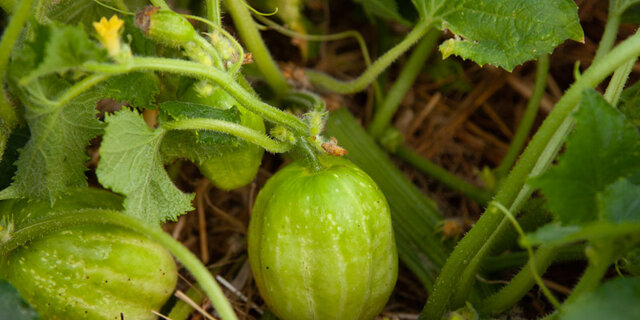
(138, 89)
(130, 164)
(629, 103)
(385, 9)
(603, 147)
(616, 299)
(85, 12)
(67, 47)
(503, 33)
(620, 202)
(12, 305)
(189, 110)
(54, 158)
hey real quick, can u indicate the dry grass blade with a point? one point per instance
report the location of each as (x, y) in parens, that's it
(180, 295)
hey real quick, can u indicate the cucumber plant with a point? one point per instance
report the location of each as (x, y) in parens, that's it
(339, 259)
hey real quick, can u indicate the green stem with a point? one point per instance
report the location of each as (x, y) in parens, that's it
(224, 80)
(235, 129)
(543, 162)
(9, 37)
(618, 80)
(239, 49)
(533, 215)
(328, 37)
(532, 263)
(510, 294)
(360, 83)
(600, 259)
(253, 41)
(517, 259)
(610, 31)
(213, 13)
(211, 51)
(384, 113)
(308, 155)
(470, 247)
(97, 216)
(79, 87)
(321, 37)
(452, 181)
(530, 113)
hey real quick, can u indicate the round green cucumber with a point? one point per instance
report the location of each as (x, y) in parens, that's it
(321, 244)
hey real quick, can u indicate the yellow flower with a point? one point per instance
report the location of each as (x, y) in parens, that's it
(108, 33)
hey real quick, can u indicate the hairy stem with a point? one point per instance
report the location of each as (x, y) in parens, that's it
(610, 30)
(521, 283)
(518, 259)
(324, 81)
(98, 216)
(231, 128)
(530, 113)
(224, 80)
(403, 83)
(9, 37)
(600, 259)
(618, 80)
(213, 13)
(253, 41)
(470, 247)
(329, 37)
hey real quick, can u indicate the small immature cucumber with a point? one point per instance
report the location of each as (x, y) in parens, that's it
(165, 26)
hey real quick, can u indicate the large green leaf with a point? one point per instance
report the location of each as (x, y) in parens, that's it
(138, 89)
(603, 147)
(67, 47)
(85, 12)
(130, 163)
(503, 33)
(54, 158)
(616, 299)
